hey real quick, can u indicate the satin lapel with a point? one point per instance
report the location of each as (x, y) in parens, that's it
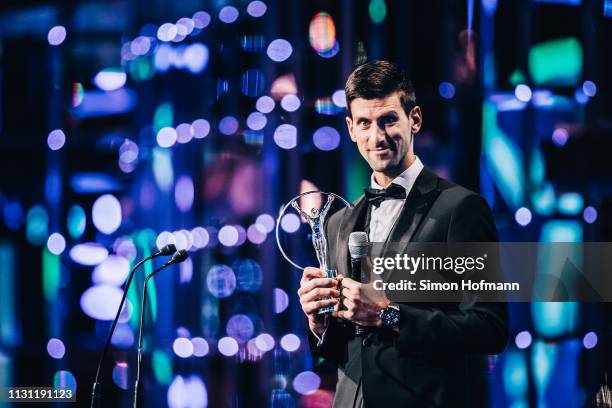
(353, 218)
(418, 203)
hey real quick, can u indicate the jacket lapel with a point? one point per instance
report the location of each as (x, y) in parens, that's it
(419, 201)
(353, 220)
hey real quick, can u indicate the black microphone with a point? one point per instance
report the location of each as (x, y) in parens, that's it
(96, 393)
(179, 257)
(359, 248)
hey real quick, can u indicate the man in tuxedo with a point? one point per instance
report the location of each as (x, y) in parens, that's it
(409, 354)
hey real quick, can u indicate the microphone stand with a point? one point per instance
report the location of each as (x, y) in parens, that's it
(179, 257)
(96, 393)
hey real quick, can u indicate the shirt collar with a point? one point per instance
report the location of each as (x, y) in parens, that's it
(406, 179)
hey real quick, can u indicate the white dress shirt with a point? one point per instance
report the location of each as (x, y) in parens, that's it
(383, 217)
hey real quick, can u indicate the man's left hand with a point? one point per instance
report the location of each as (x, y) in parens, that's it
(363, 303)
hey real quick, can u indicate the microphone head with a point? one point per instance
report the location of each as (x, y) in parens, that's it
(179, 257)
(167, 250)
(359, 245)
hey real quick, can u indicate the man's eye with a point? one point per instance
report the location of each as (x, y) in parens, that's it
(363, 122)
(388, 120)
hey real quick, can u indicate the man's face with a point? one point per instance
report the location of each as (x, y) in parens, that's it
(383, 132)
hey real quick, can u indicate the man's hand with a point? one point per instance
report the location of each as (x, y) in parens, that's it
(363, 303)
(313, 287)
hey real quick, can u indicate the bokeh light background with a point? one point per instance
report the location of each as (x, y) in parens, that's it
(128, 125)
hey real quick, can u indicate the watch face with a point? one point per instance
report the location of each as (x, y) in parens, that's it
(390, 316)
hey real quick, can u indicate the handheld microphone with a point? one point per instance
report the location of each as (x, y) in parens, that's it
(359, 248)
(178, 257)
(96, 393)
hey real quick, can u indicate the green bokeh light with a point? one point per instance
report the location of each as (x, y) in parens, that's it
(556, 63)
(378, 11)
(37, 226)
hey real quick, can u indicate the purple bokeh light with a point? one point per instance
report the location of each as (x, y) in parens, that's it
(167, 32)
(560, 137)
(281, 300)
(228, 14)
(110, 79)
(581, 97)
(56, 243)
(112, 271)
(123, 337)
(181, 239)
(290, 103)
(184, 193)
(446, 90)
(200, 237)
(339, 98)
(164, 238)
(240, 327)
(140, 45)
(166, 137)
(256, 121)
(128, 151)
(201, 128)
(228, 236)
(265, 104)
(306, 382)
(221, 281)
(56, 35)
(264, 342)
(56, 348)
(257, 234)
(101, 302)
(523, 216)
(290, 223)
(187, 392)
(228, 125)
(590, 340)
(285, 136)
(200, 347)
(522, 93)
(326, 138)
(290, 342)
(523, 339)
(187, 23)
(106, 214)
(120, 375)
(201, 19)
(186, 271)
(266, 221)
(195, 57)
(89, 253)
(227, 346)
(184, 133)
(589, 214)
(248, 275)
(257, 8)
(182, 347)
(56, 139)
(279, 50)
(589, 88)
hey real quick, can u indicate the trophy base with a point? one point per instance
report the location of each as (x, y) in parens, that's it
(329, 273)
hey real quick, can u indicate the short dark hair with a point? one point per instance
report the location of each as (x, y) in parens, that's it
(377, 79)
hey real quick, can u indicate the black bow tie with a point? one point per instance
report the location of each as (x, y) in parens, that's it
(376, 196)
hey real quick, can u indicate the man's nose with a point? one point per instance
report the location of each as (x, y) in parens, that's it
(377, 132)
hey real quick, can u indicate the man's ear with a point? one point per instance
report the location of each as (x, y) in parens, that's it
(417, 119)
(349, 125)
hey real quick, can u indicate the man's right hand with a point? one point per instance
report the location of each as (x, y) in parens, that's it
(313, 287)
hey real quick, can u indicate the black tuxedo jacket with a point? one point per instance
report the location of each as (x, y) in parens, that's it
(439, 357)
